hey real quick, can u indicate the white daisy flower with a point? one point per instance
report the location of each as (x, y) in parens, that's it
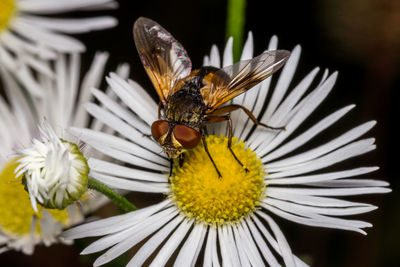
(230, 217)
(28, 33)
(21, 227)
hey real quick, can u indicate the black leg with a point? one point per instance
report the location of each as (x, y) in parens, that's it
(181, 159)
(171, 165)
(230, 144)
(208, 153)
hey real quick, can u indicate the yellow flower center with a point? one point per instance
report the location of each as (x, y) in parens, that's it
(7, 8)
(198, 191)
(16, 213)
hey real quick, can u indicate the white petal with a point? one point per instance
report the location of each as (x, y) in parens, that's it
(148, 225)
(325, 148)
(309, 134)
(138, 186)
(71, 25)
(113, 224)
(266, 252)
(172, 243)
(106, 167)
(215, 59)
(283, 83)
(282, 243)
(147, 249)
(142, 231)
(307, 107)
(351, 150)
(60, 6)
(211, 254)
(187, 255)
(317, 178)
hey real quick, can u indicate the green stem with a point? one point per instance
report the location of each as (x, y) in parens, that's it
(121, 201)
(235, 25)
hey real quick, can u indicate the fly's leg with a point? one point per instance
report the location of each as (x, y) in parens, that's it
(181, 159)
(230, 143)
(233, 107)
(209, 155)
(213, 119)
(171, 165)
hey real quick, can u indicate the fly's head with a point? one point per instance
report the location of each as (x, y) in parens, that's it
(174, 138)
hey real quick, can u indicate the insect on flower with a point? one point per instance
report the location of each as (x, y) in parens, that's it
(189, 100)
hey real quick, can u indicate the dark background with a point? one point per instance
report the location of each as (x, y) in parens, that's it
(359, 38)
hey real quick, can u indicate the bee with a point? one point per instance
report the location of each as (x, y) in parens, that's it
(192, 99)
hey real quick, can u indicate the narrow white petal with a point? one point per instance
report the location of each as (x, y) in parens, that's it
(187, 255)
(229, 251)
(92, 79)
(320, 221)
(144, 230)
(264, 85)
(215, 59)
(330, 191)
(307, 107)
(211, 254)
(325, 148)
(60, 43)
(248, 48)
(71, 25)
(147, 249)
(292, 99)
(138, 186)
(282, 243)
(312, 200)
(283, 83)
(309, 134)
(302, 209)
(121, 111)
(265, 251)
(134, 99)
(54, 7)
(351, 183)
(271, 240)
(173, 242)
(90, 137)
(227, 59)
(351, 150)
(317, 178)
(148, 225)
(113, 224)
(121, 127)
(106, 167)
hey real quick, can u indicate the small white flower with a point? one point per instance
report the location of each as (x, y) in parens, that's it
(28, 33)
(55, 173)
(21, 227)
(229, 217)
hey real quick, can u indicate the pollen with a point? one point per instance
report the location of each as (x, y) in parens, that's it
(198, 191)
(16, 210)
(7, 9)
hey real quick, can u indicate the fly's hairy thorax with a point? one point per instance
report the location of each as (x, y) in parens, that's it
(186, 106)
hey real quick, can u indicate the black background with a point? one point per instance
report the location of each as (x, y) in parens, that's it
(360, 39)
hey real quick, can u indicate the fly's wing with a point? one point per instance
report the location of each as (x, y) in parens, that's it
(164, 58)
(236, 79)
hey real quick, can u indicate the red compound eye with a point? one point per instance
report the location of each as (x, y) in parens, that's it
(159, 128)
(186, 136)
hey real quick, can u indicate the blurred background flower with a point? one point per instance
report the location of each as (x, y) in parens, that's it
(30, 32)
(357, 38)
(21, 228)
